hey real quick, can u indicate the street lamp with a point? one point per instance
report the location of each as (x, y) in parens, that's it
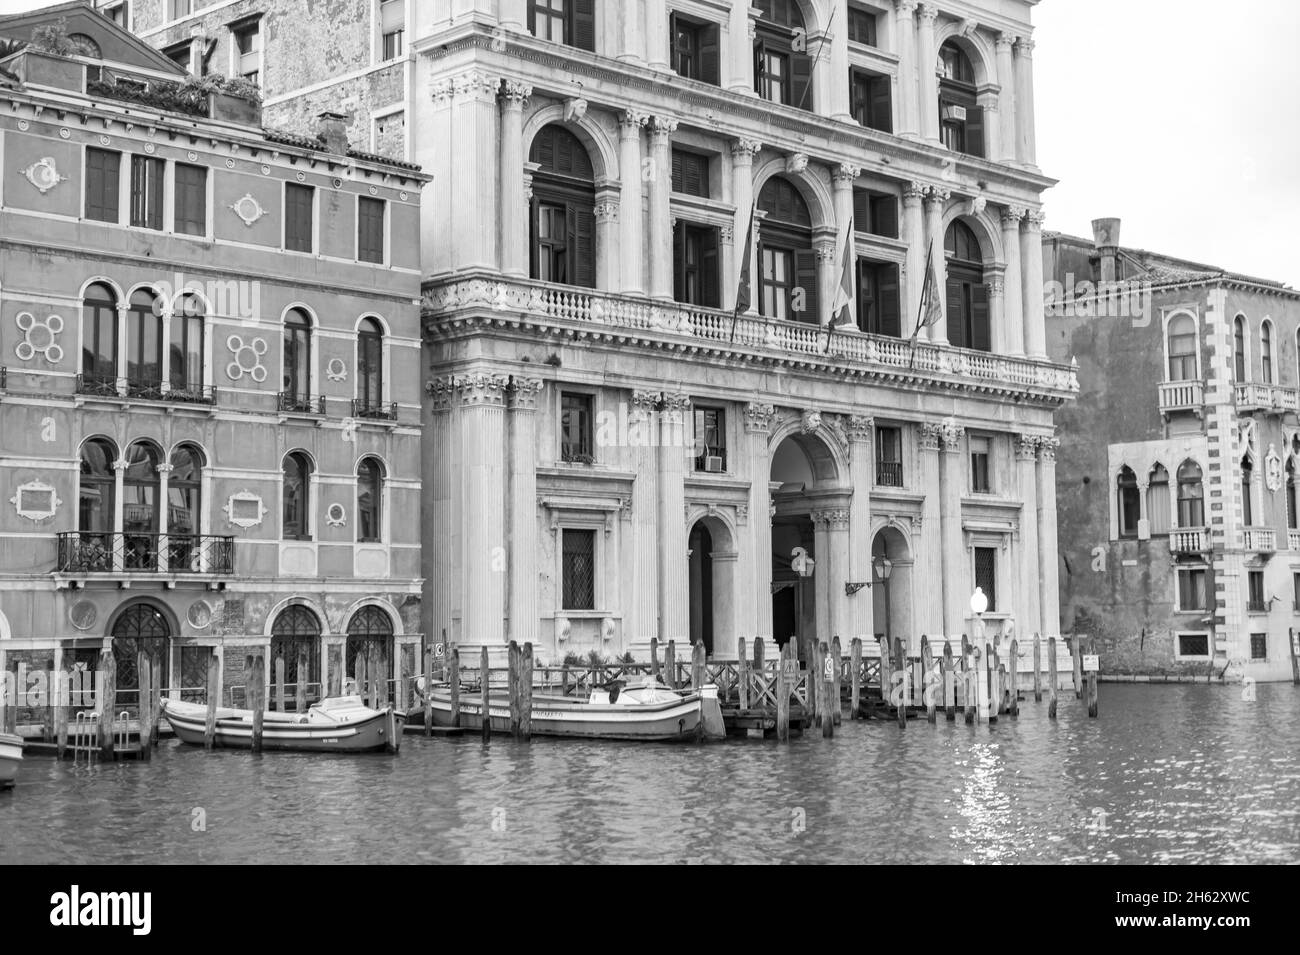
(882, 567)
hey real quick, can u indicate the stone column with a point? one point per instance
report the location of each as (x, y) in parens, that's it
(1029, 610)
(838, 104)
(674, 595)
(929, 613)
(1031, 268)
(739, 61)
(926, 57)
(522, 545)
(860, 429)
(1008, 135)
(164, 487)
(827, 279)
(1049, 594)
(513, 223)
(630, 218)
(438, 452)
(643, 437)
(631, 36)
(119, 504)
(660, 228)
(909, 118)
(473, 172)
(995, 285)
(936, 198)
(843, 177)
(1013, 282)
(758, 424)
(514, 15)
(743, 152)
(951, 484)
(122, 309)
(609, 259)
(1027, 149)
(656, 34)
(481, 426)
(913, 277)
(832, 571)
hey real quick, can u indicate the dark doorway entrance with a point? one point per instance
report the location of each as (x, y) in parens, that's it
(701, 546)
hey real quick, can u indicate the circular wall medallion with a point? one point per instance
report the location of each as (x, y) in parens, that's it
(83, 614)
(302, 177)
(199, 615)
(335, 515)
(230, 164)
(192, 156)
(338, 183)
(24, 125)
(336, 370)
(64, 133)
(150, 148)
(266, 170)
(374, 191)
(104, 140)
(405, 196)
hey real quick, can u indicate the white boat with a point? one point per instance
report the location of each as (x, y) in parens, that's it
(11, 754)
(341, 724)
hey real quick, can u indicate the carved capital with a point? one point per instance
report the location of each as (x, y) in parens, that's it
(661, 127)
(674, 407)
(1025, 46)
(825, 251)
(1047, 449)
(950, 435)
(643, 406)
(726, 235)
(997, 287)
(1034, 220)
(844, 174)
(481, 389)
(929, 13)
(474, 85)
(1026, 447)
(1005, 41)
(906, 8)
(514, 94)
(607, 210)
(524, 393)
(758, 417)
(834, 518)
(1011, 216)
(859, 427)
(744, 150)
(631, 121)
(937, 195)
(165, 468)
(441, 92)
(929, 437)
(441, 390)
(914, 191)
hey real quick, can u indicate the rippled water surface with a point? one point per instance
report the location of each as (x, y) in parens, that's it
(1166, 774)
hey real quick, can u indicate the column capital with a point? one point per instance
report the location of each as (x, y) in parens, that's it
(727, 235)
(1026, 447)
(1011, 216)
(514, 94)
(631, 121)
(475, 85)
(906, 7)
(929, 12)
(859, 427)
(950, 434)
(165, 468)
(825, 251)
(758, 417)
(524, 393)
(1004, 42)
(661, 127)
(643, 405)
(607, 210)
(673, 408)
(441, 390)
(1025, 46)
(441, 92)
(481, 389)
(845, 174)
(937, 195)
(1034, 220)
(834, 518)
(929, 437)
(1047, 449)
(997, 286)
(744, 150)
(121, 464)
(914, 191)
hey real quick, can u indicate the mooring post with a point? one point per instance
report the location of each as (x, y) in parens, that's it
(1038, 668)
(428, 690)
(1051, 678)
(526, 693)
(759, 664)
(155, 707)
(670, 664)
(454, 678)
(279, 683)
(512, 685)
(1295, 657)
(1076, 658)
(301, 677)
(902, 666)
(1092, 679)
(484, 679)
(256, 666)
(949, 685)
(783, 689)
(144, 683)
(927, 669)
(334, 678)
(1013, 667)
(742, 675)
(697, 665)
(214, 700)
(837, 681)
(855, 676)
(997, 698)
(59, 698)
(6, 681)
(969, 681)
(654, 661)
(107, 701)
(824, 651)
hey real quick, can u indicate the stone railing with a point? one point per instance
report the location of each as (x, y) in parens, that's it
(1259, 539)
(1267, 398)
(1187, 540)
(1293, 540)
(1182, 396)
(794, 340)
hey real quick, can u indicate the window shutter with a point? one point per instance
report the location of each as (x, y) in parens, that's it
(805, 277)
(862, 210)
(710, 71)
(191, 199)
(370, 225)
(801, 81)
(884, 216)
(760, 49)
(881, 111)
(890, 303)
(695, 170)
(866, 296)
(582, 246)
(975, 131)
(584, 24)
(679, 259)
(981, 337)
(103, 175)
(532, 18)
(546, 148)
(679, 177)
(534, 210)
(956, 327)
(709, 268)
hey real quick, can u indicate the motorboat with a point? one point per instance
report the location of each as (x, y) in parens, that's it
(11, 755)
(341, 724)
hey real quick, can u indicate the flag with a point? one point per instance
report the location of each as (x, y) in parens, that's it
(931, 309)
(743, 295)
(842, 306)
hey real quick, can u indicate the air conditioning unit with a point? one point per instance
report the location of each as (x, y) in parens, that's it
(713, 464)
(955, 113)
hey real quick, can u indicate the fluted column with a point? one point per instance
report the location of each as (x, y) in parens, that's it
(513, 223)
(936, 198)
(643, 437)
(609, 257)
(1026, 449)
(656, 34)
(929, 613)
(913, 277)
(630, 215)
(660, 231)
(839, 56)
(439, 447)
(926, 57)
(758, 425)
(860, 429)
(826, 281)
(674, 591)
(631, 35)
(832, 571)
(522, 544)
(995, 287)
(514, 14)
(1027, 149)
(1007, 106)
(482, 520)
(743, 152)
(1031, 267)
(951, 483)
(1049, 594)
(739, 61)
(1013, 282)
(473, 172)
(909, 117)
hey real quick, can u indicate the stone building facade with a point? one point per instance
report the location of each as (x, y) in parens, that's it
(616, 448)
(210, 398)
(1177, 483)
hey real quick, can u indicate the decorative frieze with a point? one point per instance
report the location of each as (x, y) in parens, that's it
(859, 428)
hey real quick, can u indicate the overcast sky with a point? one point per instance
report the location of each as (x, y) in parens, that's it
(1178, 116)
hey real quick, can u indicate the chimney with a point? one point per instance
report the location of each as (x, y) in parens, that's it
(332, 130)
(1105, 239)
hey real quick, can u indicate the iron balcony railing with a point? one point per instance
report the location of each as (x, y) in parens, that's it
(104, 386)
(84, 552)
(889, 473)
(294, 403)
(361, 408)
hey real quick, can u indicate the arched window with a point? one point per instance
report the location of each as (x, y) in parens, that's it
(99, 341)
(1266, 352)
(961, 120)
(1191, 496)
(85, 46)
(96, 500)
(1130, 504)
(1239, 348)
(184, 510)
(370, 369)
(370, 637)
(562, 217)
(140, 506)
(186, 349)
(144, 358)
(1158, 510)
(1247, 475)
(968, 299)
(141, 628)
(296, 629)
(1182, 349)
(788, 265)
(296, 394)
(370, 489)
(296, 494)
(782, 66)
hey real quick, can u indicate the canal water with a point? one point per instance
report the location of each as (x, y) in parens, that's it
(1185, 774)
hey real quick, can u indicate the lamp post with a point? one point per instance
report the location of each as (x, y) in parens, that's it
(882, 567)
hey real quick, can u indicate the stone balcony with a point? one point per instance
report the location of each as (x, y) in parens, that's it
(1188, 540)
(1260, 540)
(1293, 540)
(1262, 397)
(496, 300)
(1180, 396)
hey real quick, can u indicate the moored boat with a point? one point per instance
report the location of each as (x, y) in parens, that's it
(340, 724)
(11, 755)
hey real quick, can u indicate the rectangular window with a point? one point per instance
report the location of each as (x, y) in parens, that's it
(711, 440)
(550, 249)
(1191, 590)
(1259, 646)
(1158, 503)
(575, 428)
(695, 265)
(248, 51)
(180, 8)
(986, 574)
(370, 230)
(690, 173)
(879, 308)
(147, 192)
(778, 281)
(392, 28)
(572, 22)
(117, 14)
(1255, 592)
(871, 100)
(1193, 645)
(1295, 592)
(979, 465)
(862, 26)
(694, 48)
(1130, 506)
(298, 217)
(186, 358)
(578, 570)
(889, 457)
(103, 185)
(875, 213)
(773, 69)
(180, 55)
(191, 201)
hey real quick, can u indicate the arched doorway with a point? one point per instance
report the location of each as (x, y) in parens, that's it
(296, 627)
(891, 581)
(370, 638)
(141, 627)
(712, 585)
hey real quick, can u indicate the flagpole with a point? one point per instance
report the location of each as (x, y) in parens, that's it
(812, 72)
(920, 305)
(745, 265)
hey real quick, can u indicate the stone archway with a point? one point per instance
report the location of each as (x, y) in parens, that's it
(892, 603)
(712, 585)
(140, 628)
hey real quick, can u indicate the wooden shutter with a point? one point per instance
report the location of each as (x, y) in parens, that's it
(884, 216)
(297, 218)
(695, 173)
(707, 36)
(678, 176)
(880, 112)
(543, 151)
(581, 246)
(866, 297)
(674, 48)
(801, 81)
(191, 199)
(709, 269)
(679, 258)
(981, 334)
(103, 179)
(975, 131)
(956, 327)
(862, 220)
(532, 18)
(534, 210)
(760, 49)
(890, 303)
(370, 230)
(584, 24)
(805, 277)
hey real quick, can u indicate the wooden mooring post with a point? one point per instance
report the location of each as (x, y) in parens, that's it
(654, 660)
(485, 677)
(155, 707)
(256, 666)
(927, 668)
(526, 693)
(334, 660)
(783, 688)
(1038, 668)
(7, 685)
(1291, 634)
(902, 666)
(828, 688)
(279, 696)
(949, 685)
(60, 696)
(1013, 668)
(742, 675)
(107, 701)
(968, 680)
(697, 665)
(855, 676)
(670, 665)
(428, 690)
(1051, 678)
(1092, 680)
(1076, 658)
(512, 684)
(759, 652)
(886, 669)
(991, 683)
(837, 688)
(144, 680)
(454, 678)
(300, 678)
(214, 700)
